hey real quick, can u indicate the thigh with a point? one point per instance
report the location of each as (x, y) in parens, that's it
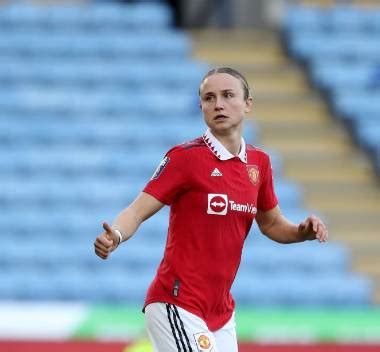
(225, 337)
(173, 329)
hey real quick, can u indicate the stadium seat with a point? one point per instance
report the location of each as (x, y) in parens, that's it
(283, 288)
(340, 47)
(143, 16)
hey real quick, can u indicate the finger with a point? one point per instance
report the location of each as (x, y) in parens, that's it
(101, 255)
(322, 233)
(302, 226)
(319, 233)
(101, 248)
(324, 228)
(325, 235)
(104, 240)
(314, 223)
(107, 227)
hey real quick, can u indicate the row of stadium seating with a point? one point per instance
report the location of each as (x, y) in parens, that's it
(98, 286)
(340, 18)
(158, 45)
(344, 64)
(318, 46)
(105, 15)
(136, 104)
(85, 117)
(171, 74)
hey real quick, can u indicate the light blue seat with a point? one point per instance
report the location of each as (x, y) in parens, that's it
(369, 135)
(159, 45)
(140, 255)
(110, 15)
(61, 224)
(324, 289)
(349, 103)
(170, 74)
(336, 19)
(337, 75)
(289, 193)
(133, 133)
(349, 19)
(184, 104)
(299, 18)
(297, 258)
(344, 46)
(25, 284)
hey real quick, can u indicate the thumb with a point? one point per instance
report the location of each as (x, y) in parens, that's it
(107, 227)
(109, 232)
(302, 226)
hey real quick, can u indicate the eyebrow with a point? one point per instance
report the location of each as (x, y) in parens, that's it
(223, 91)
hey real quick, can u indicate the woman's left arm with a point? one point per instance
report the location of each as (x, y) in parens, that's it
(275, 226)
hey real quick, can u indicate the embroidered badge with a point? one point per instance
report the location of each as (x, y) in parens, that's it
(203, 342)
(160, 168)
(254, 174)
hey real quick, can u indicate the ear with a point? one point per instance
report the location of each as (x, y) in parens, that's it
(248, 105)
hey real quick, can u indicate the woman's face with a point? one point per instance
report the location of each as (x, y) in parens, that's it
(222, 102)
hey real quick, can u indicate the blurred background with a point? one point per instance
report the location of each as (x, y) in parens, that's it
(92, 95)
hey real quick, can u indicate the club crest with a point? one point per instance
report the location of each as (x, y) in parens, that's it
(203, 342)
(254, 174)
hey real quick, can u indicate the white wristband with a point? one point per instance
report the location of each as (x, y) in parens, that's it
(120, 236)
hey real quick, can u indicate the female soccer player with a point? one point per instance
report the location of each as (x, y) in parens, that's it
(215, 185)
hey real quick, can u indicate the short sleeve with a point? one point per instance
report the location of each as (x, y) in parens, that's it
(170, 178)
(267, 198)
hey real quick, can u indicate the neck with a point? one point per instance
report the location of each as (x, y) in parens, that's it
(231, 141)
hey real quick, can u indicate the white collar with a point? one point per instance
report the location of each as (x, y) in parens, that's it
(220, 151)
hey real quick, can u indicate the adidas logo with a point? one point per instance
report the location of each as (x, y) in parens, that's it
(216, 172)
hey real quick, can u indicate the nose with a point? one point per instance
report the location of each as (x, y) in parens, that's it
(218, 103)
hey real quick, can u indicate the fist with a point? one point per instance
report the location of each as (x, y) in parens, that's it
(313, 228)
(106, 242)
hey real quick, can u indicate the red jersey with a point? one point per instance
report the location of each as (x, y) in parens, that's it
(213, 197)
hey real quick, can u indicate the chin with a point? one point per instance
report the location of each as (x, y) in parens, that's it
(221, 129)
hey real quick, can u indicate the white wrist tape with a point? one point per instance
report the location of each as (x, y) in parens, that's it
(120, 236)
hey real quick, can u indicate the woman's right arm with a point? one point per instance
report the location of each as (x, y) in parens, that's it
(126, 223)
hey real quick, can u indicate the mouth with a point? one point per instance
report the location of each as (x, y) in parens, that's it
(220, 117)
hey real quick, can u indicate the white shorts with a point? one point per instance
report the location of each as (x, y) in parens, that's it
(173, 329)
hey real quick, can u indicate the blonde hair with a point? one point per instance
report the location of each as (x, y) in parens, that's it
(232, 72)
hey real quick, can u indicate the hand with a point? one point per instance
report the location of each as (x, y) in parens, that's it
(106, 242)
(313, 228)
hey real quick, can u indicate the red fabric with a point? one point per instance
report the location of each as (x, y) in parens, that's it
(210, 218)
(61, 346)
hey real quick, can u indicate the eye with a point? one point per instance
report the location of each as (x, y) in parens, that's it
(208, 98)
(229, 95)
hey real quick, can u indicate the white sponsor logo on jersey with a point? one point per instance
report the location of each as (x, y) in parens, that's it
(218, 204)
(246, 208)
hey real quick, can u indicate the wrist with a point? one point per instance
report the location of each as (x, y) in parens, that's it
(119, 235)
